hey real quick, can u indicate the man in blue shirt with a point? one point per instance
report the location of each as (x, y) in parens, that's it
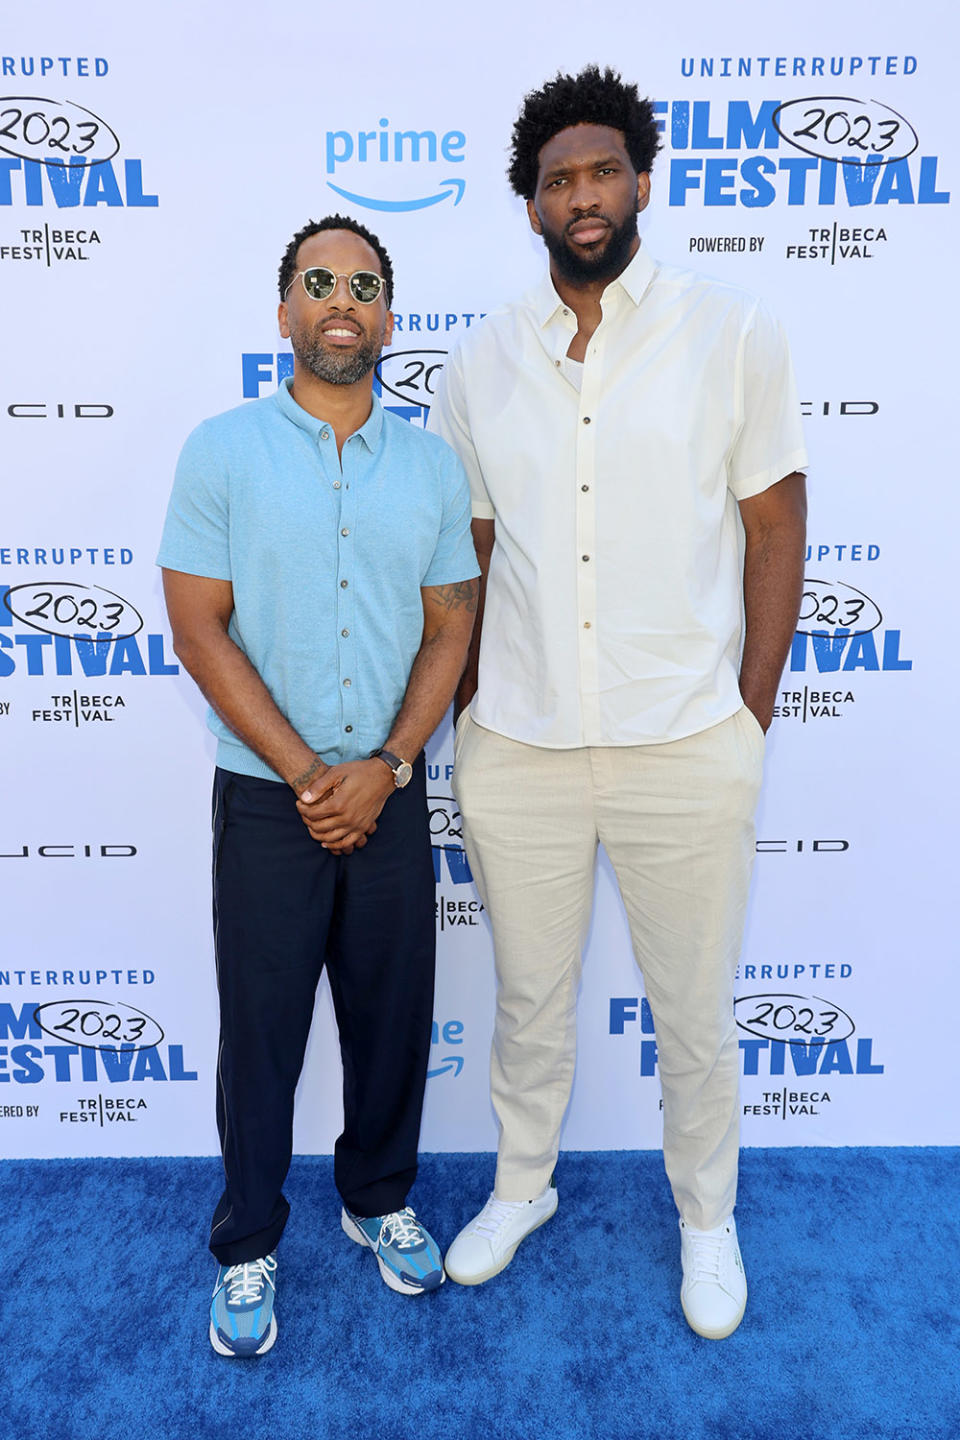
(320, 583)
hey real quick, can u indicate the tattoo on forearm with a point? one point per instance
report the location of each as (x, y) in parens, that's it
(462, 595)
(300, 781)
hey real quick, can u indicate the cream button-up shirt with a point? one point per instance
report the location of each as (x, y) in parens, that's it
(613, 607)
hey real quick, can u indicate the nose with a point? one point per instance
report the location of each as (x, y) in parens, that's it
(341, 296)
(583, 194)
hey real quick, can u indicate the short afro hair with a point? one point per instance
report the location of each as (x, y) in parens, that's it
(288, 265)
(590, 98)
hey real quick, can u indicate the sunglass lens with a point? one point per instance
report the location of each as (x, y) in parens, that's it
(366, 286)
(319, 282)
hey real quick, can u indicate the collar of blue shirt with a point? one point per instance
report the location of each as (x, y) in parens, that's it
(369, 431)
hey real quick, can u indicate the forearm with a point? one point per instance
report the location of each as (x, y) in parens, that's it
(242, 701)
(772, 590)
(483, 536)
(437, 668)
(470, 679)
(433, 679)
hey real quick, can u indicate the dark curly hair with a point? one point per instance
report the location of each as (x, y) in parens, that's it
(590, 98)
(288, 265)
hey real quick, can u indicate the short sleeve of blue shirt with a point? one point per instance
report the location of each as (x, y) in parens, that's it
(454, 558)
(196, 536)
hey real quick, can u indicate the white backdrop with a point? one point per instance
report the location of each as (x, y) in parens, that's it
(139, 296)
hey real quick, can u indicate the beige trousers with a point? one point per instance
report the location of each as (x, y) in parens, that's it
(676, 821)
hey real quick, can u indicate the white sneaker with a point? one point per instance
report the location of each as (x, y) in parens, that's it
(488, 1244)
(714, 1289)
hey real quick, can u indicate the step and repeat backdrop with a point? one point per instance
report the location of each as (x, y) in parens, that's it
(152, 170)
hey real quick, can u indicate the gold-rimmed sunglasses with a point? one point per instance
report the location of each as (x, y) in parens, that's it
(319, 283)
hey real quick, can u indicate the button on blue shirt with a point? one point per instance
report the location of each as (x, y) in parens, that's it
(326, 557)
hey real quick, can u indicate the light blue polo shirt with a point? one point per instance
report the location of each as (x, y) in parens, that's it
(326, 562)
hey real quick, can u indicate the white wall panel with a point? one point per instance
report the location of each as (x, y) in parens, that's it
(151, 303)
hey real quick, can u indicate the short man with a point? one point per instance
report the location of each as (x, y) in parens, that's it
(611, 424)
(319, 579)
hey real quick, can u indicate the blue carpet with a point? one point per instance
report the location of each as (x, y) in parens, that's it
(851, 1328)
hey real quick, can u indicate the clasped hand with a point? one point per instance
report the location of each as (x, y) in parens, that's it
(341, 807)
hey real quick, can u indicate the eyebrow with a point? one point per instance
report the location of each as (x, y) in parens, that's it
(592, 163)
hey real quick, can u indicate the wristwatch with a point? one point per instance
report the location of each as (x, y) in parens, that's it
(402, 769)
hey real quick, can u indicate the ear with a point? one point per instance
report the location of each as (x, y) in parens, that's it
(643, 191)
(282, 320)
(534, 218)
(388, 328)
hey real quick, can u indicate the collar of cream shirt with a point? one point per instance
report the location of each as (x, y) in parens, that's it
(634, 281)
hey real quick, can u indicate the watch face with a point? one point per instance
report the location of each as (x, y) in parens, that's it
(403, 774)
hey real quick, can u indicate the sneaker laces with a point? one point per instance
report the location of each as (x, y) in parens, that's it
(704, 1253)
(494, 1215)
(401, 1228)
(245, 1282)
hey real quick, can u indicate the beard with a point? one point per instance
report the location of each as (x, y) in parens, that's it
(334, 366)
(605, 262)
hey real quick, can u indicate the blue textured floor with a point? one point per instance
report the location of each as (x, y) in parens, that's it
(851, 1329)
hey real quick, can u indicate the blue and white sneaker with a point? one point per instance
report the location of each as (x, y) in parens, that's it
(242, 1321)
(408, 1255)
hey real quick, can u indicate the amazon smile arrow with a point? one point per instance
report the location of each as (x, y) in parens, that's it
(370, 202)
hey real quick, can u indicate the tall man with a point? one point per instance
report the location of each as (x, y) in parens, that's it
(320, 583)
(613, 423)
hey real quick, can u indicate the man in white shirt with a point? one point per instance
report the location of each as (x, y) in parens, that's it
(623, 426)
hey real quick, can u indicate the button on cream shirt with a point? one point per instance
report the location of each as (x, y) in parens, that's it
(613, 604)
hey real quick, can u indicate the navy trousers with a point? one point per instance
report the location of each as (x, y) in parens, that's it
(283, 907)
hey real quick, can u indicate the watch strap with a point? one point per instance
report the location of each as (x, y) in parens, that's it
(392, 760)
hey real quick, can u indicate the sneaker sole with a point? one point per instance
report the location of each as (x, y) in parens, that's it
(387, 1275)
(713, 1334)
(267, 1344)
(495, 1270)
